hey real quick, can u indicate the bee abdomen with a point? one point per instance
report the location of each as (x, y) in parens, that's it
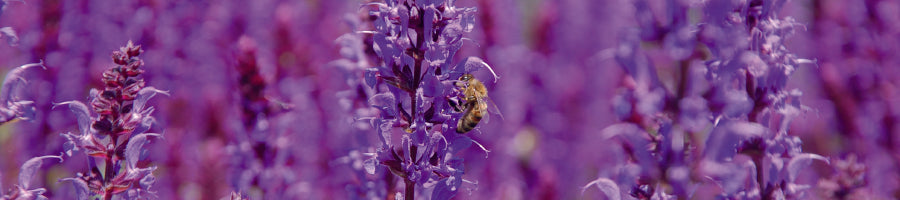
(467, 123)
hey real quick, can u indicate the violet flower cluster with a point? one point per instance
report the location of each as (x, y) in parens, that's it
(412, 86)
(719, 128)
(23, 189)
(14, 107)
(114, 137)
(277, 99)
(12, 104)
(355, 100)
(857, 43)
(260, 159)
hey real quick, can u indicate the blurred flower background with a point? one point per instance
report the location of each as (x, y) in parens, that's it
(262, 102)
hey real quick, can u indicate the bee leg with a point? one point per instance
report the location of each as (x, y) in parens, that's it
(460, 84)
(455, 104)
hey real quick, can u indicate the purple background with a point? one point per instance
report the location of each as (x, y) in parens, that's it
(558, 81)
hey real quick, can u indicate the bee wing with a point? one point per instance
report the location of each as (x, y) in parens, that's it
(492, 109)
(486, 115)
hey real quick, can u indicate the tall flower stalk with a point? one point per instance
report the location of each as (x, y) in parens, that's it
(113, 138)
(415, 83)
(721, 121)
(12, 107)
(257, 159)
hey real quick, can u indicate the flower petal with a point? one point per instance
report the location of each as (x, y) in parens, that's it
(608, 187)
(82, 113)
(30, 168)
(144, 95)
(133, 150)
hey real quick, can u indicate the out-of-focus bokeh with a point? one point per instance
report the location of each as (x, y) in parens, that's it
(559, 80)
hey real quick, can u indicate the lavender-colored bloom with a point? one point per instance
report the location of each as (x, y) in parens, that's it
(11, 105)
(355, 100)
(666, 133)
(848, 182)
(23, 190)
(117, 135)
(661, 99)
(258, 159)
(855, 78)
(415, 83)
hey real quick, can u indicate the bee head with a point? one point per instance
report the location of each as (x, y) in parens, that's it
(466, 77)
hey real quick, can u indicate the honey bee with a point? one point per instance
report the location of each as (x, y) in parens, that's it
(476, 103)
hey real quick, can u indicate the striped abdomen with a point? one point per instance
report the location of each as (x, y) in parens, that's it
(470, 119)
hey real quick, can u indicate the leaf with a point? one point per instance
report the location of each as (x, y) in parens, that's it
(30, 168)
(133, 150)
(608, 187)
(82, 113)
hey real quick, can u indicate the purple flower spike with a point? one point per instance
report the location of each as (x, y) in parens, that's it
(116, 134)
(724, 122)
(419, 93)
